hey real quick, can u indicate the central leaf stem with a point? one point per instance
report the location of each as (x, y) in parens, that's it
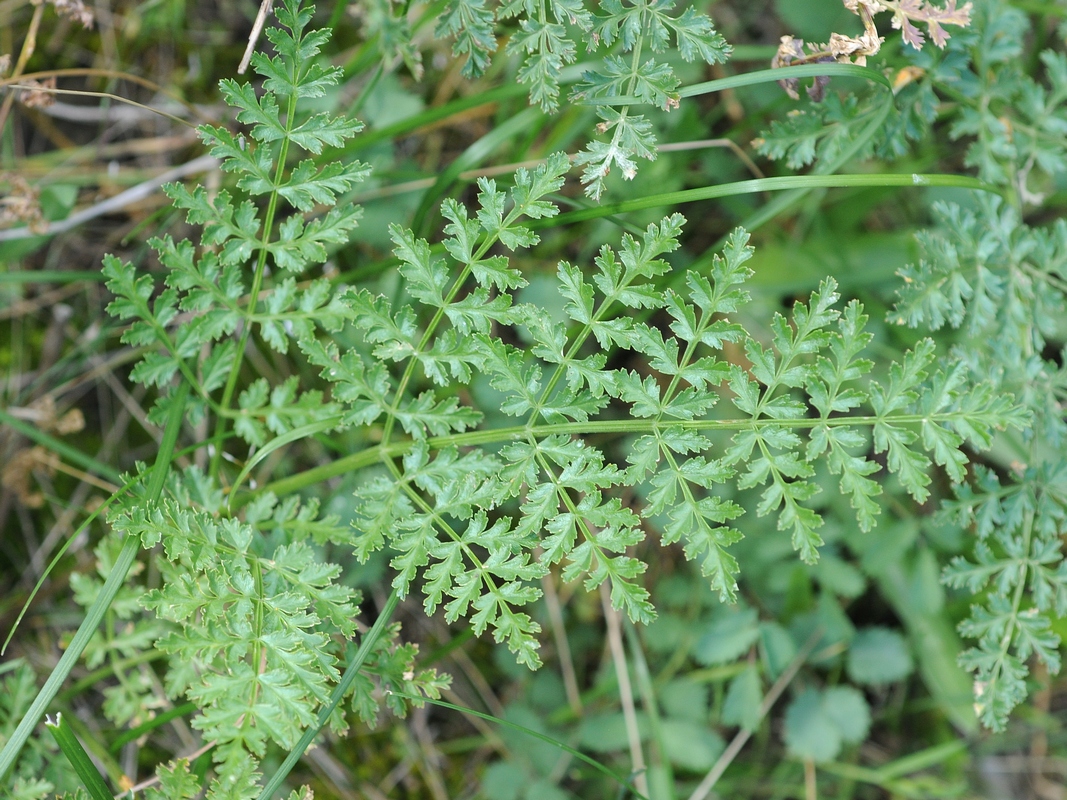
(257, 283)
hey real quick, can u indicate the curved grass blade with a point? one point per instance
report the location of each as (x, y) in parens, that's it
(116, 98)
(90, 679)
(78, 758)
(103, 600)
(309, 477)
(151, 725)
(100, 509)
(432, 115)
(470, 158)
(800, 182)
(336, 697)
(651, 703)
(751, 79)
(784, 201)
(794, 193)
(302, 432)
(785, 73)
(72, 454)
(50, 276)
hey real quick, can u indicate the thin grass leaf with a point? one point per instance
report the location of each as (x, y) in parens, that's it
(158, 721)
(804, 183)
(352, 672)
(78, 758)
(71, 454)
(275, 444)
(100, 509)
(130, 547)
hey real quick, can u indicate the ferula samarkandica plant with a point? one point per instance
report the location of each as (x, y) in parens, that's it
(501, 436)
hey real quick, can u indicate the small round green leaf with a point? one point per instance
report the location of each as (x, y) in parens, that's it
(691, 746)
(809, 732)
(503, 781)
(878, 656)
(818, 723)
(685, 699)
(777, 648)
(840, 577)
(730, 634)
(849, 711)
(743, 699)
(544, 789)
(606, 733)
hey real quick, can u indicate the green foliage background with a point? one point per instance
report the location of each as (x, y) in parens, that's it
(404, 430)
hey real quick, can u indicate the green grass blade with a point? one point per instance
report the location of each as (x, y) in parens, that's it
(151, 725)
(62, 551)
(787, 198)
(784, 201)
(50, 276)
(923, 759)
(309, 477)
(753, 52)
(801, 182)
(49, 442)
(70, 657)
(113, 667)
(651, 704)
(103, 600)
(78, 758)
(937, 643)
(569, 75)
(893, 778)
(339, 692)
(436, 114)
(752, 79)
(302, 432)
(786, 73)
(854, 772)
(470, 158)
(12, 665)
(55, 560)
(868, 133)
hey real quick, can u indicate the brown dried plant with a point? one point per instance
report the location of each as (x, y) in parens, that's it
(844, 49)
(74, 10)
(21, 204)
(38, 94)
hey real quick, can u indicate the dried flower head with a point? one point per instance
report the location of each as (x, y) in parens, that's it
(907, 12)
(18, 471)
(856, 49)
(21, 204)
(36, 94)
(44, 414)
(74, 10)
(790, 50)
(841, 49)
(71, 422)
